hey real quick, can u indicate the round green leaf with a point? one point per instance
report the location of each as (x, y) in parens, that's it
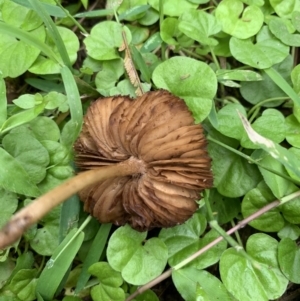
(259, 279)
(255, 199)
(110, 281)
(289, 258)
(284, 8)
(109, 75)
(29, 152)
(151, 16)
(289, 231)
(20, 16)
(17, 56)
(138, 261)
(188, 280)
(237, 21)
(173, 8)
(192, 80)
(280, 31)
(229, 123)
(255, 92)
(8, 205)
(44, 65)
(264, 54)
(292, 130)
(200, 26)
(104, 40)
(233, 175)
(183, 241)
(224, 209)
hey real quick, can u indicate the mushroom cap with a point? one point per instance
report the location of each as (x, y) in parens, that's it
(158, 129)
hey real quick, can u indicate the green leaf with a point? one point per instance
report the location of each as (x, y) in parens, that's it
(110, 281)
(278, 185)
(255, 92)
(239, 75)
(224, 209)
(280, 31)
(23, 284)
(44, 65)
(188, 280)
(18, 56)
(55, 100)
(289, 231)
(109, 75)
(150, 17)
(20, 16)
(171, 8)
(292, 130)
(8, 205)
(104, 40)
(233, 175)
(58, 265)
(200, 26)
(192, 80)
(29, 152)
(288, 258)
(13, 176)
(6, 269)
(184, 240)
(147, 296)
(267, 51)
(284, 8)
(257, 279)
(45, 240)
(229, 123)
(239, 22)
(137, 261)
(255, 199)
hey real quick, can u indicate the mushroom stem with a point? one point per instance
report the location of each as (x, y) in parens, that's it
(32, 213)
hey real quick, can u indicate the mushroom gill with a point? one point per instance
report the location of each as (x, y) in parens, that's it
(158, 130)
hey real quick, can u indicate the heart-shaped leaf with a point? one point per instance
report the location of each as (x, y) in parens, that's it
(128, 251)
(200, 26)
(237, 21)
(173, 8)
(258, 279)
(192, 80)
(267, 52)
(288, 258)
(110, 281)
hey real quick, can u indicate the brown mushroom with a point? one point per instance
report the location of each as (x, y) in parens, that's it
(146, 164)
(158, 130)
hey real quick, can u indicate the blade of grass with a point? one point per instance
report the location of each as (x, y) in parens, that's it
(93, 255)
(288, 90)
(3, 101)
(95, 13)
(30, 39)
(58, 264)
(134, 11)
(73, 127)
(69, 216)
(140, 63)
(52, 10)
(36, 5)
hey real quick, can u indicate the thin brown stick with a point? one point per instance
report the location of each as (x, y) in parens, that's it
(168, 273)
(30, 214)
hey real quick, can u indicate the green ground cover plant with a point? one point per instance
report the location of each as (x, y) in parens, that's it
(235, 64)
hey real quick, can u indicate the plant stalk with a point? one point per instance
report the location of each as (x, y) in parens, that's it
(32, 213)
